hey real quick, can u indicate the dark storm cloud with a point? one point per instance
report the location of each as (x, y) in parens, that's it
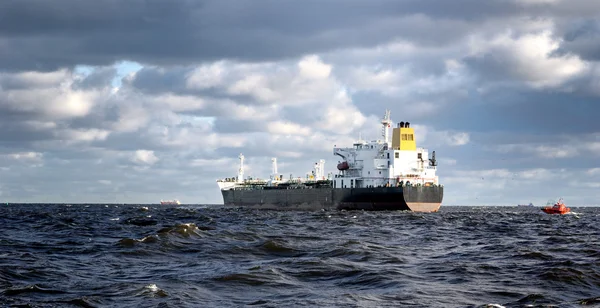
(98, 79)
(415, 109)
(100, 117)
(520, 110)
(16, 132)
(581, 37)
(46, 35)
(153, 80)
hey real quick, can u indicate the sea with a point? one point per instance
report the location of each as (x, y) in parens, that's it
(115, 255)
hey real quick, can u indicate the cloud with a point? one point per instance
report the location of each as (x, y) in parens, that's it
(26, 156)
(489, 187)
(206, 76)
(49, 95)
(529, 58)
(100, 33)
(287, 128)
(536, 2)
(144, 157)
(312, 67)
(560, 148)
(457, 138)
(436, 137)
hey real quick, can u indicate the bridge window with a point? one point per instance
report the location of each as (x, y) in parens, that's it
(397, 155)
(419, 156)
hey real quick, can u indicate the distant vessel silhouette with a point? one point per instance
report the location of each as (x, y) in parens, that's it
(530, 204)
(170, 202)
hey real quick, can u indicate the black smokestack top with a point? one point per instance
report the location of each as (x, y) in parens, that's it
(407, 125)
(402, 124)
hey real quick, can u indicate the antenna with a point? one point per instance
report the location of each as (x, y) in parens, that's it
(432, 161)
(386, 123)
(240, 177)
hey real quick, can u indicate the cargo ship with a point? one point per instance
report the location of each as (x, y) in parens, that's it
(381, 174)
(170, 202)
(530, 204)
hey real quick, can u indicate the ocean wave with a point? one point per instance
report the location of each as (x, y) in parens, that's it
(80, 255)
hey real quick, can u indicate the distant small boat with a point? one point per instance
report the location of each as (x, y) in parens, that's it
(170, 202)
(558, 208)
(530, 204)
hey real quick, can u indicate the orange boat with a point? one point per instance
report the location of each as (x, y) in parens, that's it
(558, 208)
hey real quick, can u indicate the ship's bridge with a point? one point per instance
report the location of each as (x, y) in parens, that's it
(385, 163)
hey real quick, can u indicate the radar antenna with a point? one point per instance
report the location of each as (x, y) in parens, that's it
(386, 123)
(274, 172)
(240, 176)
(432, 161)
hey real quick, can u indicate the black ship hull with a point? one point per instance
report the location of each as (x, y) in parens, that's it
(407, 198)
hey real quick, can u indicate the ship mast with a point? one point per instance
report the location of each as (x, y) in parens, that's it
(319, 172)
(386, 123)
(274, 172)
(240, 176)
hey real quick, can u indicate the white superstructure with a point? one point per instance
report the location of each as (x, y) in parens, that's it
(378, 163)
(386, 162)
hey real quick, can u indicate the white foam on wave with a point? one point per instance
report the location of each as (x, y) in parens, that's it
(152, 287)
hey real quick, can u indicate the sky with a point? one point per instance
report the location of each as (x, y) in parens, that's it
(135, 101)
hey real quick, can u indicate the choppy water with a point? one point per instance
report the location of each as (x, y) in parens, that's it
(199, 256)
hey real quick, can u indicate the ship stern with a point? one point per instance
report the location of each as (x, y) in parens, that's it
(424, 198)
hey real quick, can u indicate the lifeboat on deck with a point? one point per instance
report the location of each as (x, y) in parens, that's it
(558, 208)
(343, 166)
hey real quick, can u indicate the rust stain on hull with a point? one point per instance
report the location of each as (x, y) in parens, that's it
(424, 207)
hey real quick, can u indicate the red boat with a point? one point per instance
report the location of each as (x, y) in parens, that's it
(558, 208)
